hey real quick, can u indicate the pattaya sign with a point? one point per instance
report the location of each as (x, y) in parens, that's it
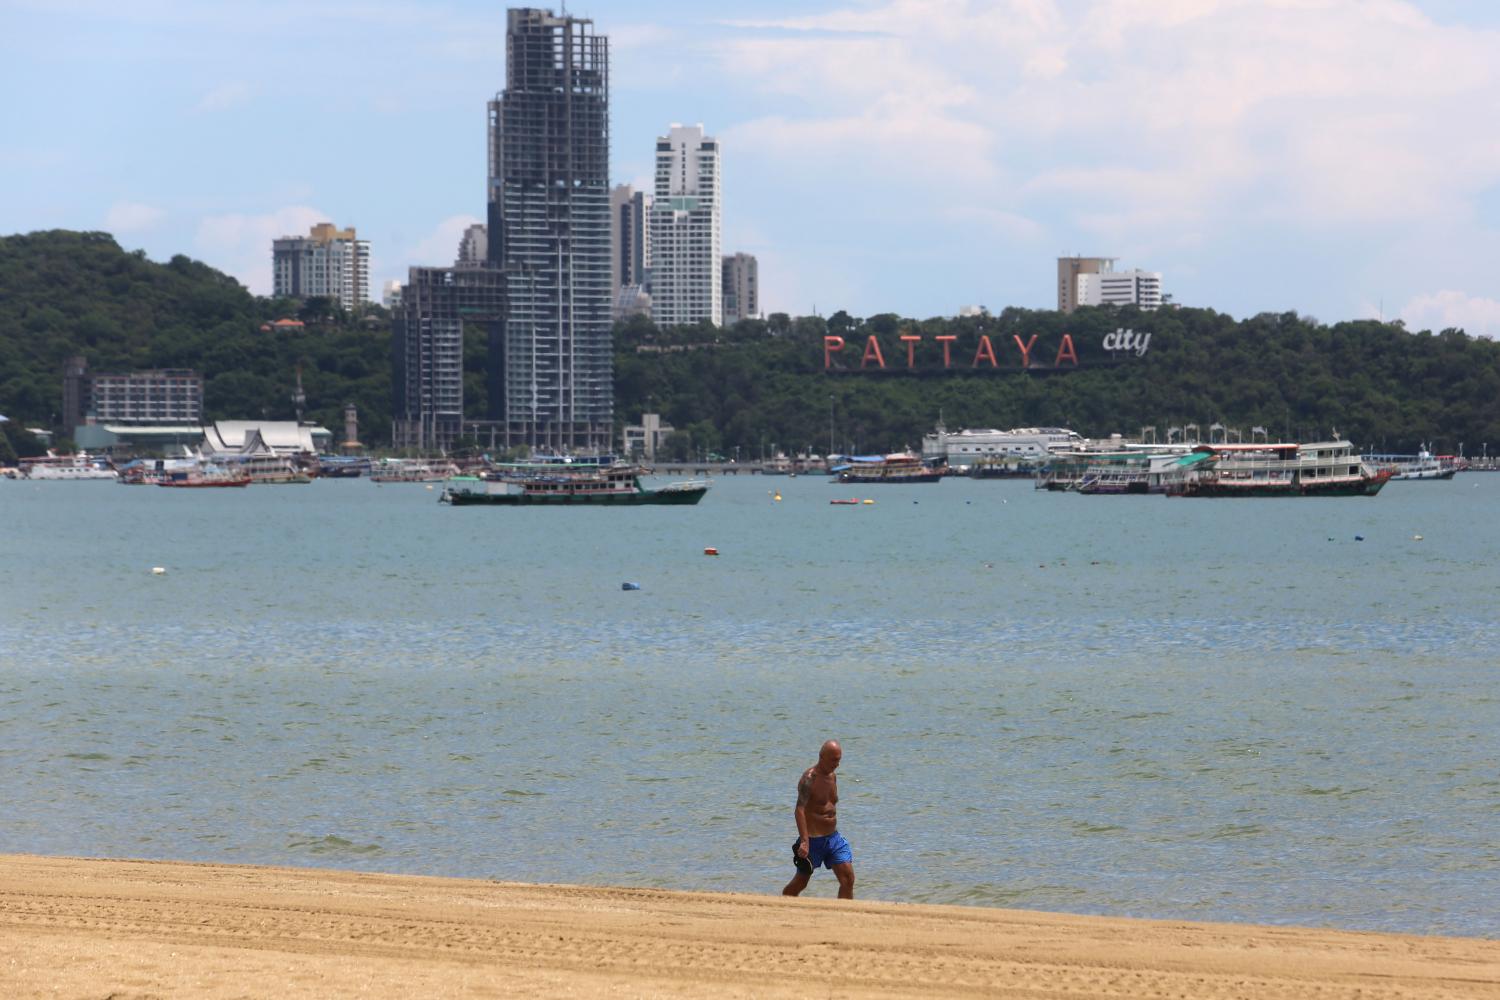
(1027, 353)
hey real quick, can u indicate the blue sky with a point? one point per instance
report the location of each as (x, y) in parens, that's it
(1336, 157)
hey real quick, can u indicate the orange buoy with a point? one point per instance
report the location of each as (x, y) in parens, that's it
(710, 551)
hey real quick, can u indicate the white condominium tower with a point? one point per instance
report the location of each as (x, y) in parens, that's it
(686, 268)
(327, 262)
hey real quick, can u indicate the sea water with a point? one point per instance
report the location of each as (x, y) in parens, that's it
(1276, 711)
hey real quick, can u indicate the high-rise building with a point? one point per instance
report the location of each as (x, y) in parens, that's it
(427, 350)
(741, 288)
(473, 247)
(630, 244)
(328, 262)
(1069, 270)
(686, 270)
(390, 295)
(552, 366)
(1121, 288)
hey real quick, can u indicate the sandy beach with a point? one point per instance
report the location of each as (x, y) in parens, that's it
(135, 929)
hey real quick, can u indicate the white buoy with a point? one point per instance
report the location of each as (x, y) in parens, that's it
(158, 571)
(1416, 538)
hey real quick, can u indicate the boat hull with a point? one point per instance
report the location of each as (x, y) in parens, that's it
(1356, 488)
(643, 498)
(203, 484)
(1426, 474)
(912, 477)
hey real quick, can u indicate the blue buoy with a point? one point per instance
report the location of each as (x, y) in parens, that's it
(630, 586)
(1359, 538)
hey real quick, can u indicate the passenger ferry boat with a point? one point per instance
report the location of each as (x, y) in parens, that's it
(1423, 465)
(1154, 472)
(556, 484)
(1318, 469)
(901, 467)
(78, 467)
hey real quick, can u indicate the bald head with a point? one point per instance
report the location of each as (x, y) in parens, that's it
(829, 756)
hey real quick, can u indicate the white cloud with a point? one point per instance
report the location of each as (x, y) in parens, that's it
(1474, 314)
(240, 244)
(1138, 117)
(131, 217)
(1161, 131)
(230, 95)
(439, 248)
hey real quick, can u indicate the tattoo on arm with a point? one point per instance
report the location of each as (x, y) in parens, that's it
(804, 789)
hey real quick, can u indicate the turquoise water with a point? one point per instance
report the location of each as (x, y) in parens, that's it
(1122, 705)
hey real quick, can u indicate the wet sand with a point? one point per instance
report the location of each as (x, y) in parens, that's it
(134, 929)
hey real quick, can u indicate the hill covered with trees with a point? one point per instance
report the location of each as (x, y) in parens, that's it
(67, 293)
(761, 385)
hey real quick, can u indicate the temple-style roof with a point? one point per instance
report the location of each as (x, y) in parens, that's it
(260, 437)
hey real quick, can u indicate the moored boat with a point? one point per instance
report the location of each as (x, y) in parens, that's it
(79, 467)
(1317, 469)
(411, 470)
(271, 470)
(343, 466)
(900, 467)
(204, 477)
(1423, 465)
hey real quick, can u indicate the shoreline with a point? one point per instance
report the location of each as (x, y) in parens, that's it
(136, 929)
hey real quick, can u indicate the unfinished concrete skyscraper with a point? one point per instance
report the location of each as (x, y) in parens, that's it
(549, 232)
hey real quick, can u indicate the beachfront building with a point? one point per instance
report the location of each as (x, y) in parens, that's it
(105, 411)
(686, 266)
(328, 262)
(552, 365)
(741, 283)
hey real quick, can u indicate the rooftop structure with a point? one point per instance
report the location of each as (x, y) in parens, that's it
(256, 437)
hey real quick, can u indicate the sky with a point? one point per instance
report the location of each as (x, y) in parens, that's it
(1339, 158)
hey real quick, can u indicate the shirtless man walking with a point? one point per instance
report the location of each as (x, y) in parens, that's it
(818, 841)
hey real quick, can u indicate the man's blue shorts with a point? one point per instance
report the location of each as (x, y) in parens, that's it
(827, 851)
